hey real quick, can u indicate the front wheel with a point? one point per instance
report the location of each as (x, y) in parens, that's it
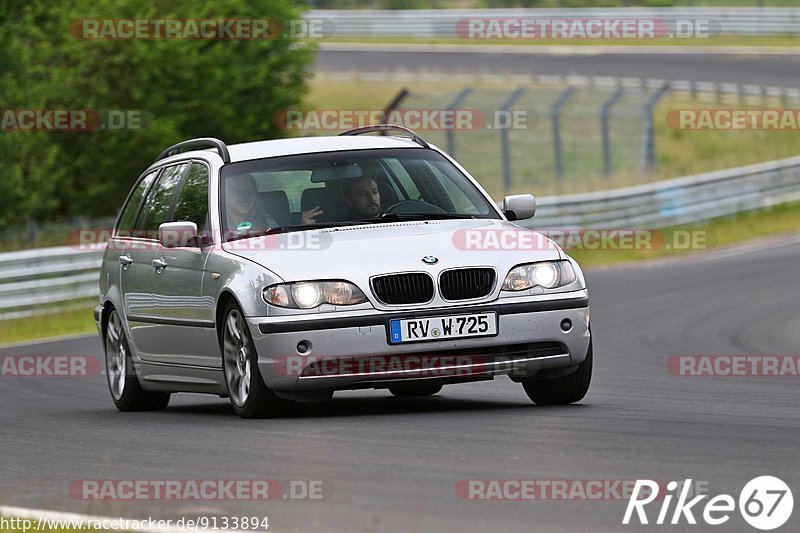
(248, 393)
(123, 384)
(566, 389)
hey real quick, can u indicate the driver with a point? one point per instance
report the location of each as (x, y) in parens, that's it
(363, 197)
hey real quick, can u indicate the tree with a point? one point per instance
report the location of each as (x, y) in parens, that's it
(182, 88)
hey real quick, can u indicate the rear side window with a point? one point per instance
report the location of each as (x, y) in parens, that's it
(128, 217)
(157, 206)
(192, 205)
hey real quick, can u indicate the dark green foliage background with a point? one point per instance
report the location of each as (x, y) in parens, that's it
(185, 88)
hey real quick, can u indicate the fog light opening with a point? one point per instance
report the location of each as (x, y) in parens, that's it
(566, 325)
(303, 347)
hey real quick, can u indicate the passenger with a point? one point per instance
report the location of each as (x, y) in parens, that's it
(242, 208)
(242, 213)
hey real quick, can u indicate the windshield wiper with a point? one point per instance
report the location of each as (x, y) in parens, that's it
(389, 217)
(285, 229)
(418, 216)
(303, 227)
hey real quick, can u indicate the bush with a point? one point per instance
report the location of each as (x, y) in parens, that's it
(184, 88)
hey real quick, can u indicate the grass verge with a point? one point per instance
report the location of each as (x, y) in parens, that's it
(531, 146)
(58, 323)
(713, 234)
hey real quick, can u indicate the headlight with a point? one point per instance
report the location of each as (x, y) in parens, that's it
(311, 294)
(306, 295)
(547, 274)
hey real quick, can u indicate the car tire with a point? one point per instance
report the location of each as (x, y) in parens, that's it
(563, 390)
(249, 395)
(419, 390)
(124, 386)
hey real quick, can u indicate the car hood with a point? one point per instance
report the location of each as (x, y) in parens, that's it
(356, 253)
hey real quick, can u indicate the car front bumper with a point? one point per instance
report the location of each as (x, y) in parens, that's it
(353, 351)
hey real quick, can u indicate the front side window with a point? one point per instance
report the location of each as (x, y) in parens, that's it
(157, 206)
(128, 216)
(340, 188)
(192, 204)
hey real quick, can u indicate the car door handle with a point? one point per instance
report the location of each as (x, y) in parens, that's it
(125, 260)
(158, 263)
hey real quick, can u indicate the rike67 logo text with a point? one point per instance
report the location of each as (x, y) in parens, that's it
(765, 503)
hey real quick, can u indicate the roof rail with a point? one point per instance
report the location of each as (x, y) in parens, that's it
(387, 127)
(203, 141)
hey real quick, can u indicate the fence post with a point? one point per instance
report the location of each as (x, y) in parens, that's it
(555, 111)
(604, 118)
(649, 156)
(449, 134)
(504, 140)
(394, 104)
(32, 231)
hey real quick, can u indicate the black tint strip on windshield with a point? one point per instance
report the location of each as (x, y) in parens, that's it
(306, 161)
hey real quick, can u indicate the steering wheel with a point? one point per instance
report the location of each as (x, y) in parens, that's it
(412, 206)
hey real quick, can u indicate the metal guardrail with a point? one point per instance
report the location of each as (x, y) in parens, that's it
(676, 201)
(31, 278)
(442, 22)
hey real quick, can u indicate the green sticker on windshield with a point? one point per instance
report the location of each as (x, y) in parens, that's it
(244, 226)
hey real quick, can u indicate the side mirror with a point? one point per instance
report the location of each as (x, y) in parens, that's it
(177, 234)
(519, 206)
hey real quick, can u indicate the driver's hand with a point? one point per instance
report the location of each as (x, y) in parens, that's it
(309, 217)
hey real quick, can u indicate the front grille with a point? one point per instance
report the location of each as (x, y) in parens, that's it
(398, 289)
(466, 283)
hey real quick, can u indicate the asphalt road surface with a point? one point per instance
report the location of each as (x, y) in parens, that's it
(390, 464)
(779, 70)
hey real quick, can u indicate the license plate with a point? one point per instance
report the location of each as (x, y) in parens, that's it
(442, 327)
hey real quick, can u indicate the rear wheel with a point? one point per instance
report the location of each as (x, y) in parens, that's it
(248, 393)
(123, 384)
(566, 389)
(419, 390)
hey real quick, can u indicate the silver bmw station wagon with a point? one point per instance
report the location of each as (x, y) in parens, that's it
(275, 271)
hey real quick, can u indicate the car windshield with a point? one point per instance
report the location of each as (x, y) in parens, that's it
(299, 192)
